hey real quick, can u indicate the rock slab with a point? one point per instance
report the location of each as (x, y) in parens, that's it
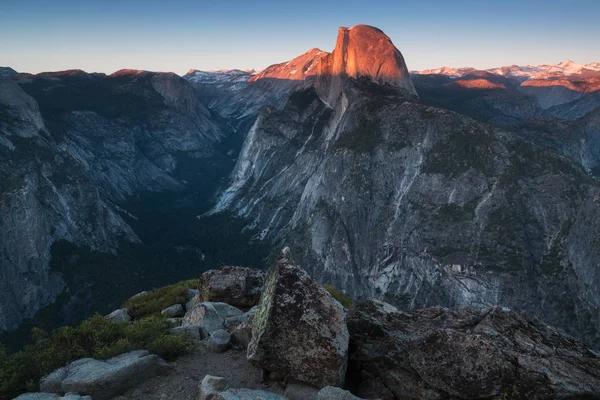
(299, 330)
(175, 311)
(210, 386)
(335, 393)
(210, 316)
(237, 286)
(470, 353)
(51, 396)
(248, 394)
(104, 379)
(219, 341)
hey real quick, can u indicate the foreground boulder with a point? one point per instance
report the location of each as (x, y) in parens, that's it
(210, 317)
(175, 311)
(469, 354)
(193, 332)
(299, 330)
(51, 396)
(210, 386)
(300, 391)
(237, 286)
(335, 393)
(218, 342)
(104, 379)
(248, 394)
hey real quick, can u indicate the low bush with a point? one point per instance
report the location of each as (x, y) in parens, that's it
(96, 337)
(337, 294)
(152, 303)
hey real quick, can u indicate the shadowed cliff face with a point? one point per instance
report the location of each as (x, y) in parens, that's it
(82, 158)
(45, 195)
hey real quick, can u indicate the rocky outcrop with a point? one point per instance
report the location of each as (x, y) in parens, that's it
(218, 342)
(175, 311)
(299, 330)
(210, 317)
(210, 386)
(471, 353)
(215, 388)
(193, 332)
(362, 52)
(335, 393)
(247, 394)
(237, 286)
(300, 391)
(51, 396)
(104, 379)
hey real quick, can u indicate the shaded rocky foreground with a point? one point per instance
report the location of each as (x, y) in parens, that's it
(298, 342)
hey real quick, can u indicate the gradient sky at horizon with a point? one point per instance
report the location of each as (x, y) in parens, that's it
(104, 36)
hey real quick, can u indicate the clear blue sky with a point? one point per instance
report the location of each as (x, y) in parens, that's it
(107, 35)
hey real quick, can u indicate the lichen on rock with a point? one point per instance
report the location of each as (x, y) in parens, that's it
(299, 330)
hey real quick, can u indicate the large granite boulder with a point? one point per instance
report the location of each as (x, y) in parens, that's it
(300, 391)
(210, 386)
(193, 332)
(51, 396)
(488, 353)
(210, 317)
(299, 330)
(237, 286)
(242, 335)
(248, 394)
(175, 311)
(104, 379)
(218, 342)
(335, 393)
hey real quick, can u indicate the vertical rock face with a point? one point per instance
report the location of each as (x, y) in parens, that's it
(362, 51)
(299, 330)
(72, 147)
(44, 197)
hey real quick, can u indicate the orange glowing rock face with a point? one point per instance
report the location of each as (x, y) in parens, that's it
(360, 51)
(300, 68)
(478, 84)
(588, 85)
(367, 51)
(363, 51)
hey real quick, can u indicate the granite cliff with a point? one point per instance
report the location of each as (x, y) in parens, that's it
(387, 196)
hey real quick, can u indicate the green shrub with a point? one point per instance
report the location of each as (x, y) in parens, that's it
(121, 346)
(96, 337)
(152, 303)
(169, 346)
(344, 300)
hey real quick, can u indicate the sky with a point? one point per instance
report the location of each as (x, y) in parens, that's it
(108, 35)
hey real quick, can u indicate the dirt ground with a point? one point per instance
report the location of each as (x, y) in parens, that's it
(182, 382)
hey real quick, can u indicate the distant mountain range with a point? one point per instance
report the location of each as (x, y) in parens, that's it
(564, 69)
